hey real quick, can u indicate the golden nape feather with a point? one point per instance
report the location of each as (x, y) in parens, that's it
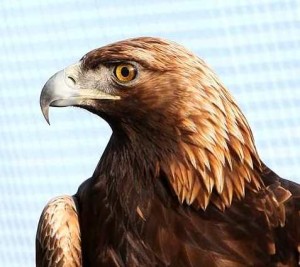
(180, 183)
(218, 152)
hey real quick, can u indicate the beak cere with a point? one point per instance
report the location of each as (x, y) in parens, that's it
(63, 90)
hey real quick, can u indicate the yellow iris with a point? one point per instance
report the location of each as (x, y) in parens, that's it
(125, 72)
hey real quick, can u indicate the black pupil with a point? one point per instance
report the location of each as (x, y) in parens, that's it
(125, 72)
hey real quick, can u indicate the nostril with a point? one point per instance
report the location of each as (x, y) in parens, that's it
(72, 80)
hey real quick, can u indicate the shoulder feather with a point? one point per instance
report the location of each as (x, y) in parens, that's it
(58, 241)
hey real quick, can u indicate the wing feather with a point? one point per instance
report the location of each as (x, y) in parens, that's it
(58, 240)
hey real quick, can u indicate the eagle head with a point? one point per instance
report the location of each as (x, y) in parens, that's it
(173, 109)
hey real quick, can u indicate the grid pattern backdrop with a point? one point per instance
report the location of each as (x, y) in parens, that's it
(254, 46)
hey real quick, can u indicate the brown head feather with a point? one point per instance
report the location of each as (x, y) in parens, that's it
(181, 112)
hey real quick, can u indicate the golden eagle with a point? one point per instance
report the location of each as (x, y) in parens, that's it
(180, 182)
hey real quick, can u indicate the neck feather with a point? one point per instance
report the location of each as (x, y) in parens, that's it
(199, 172)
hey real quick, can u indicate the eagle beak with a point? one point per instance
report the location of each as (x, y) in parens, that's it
(63, 89)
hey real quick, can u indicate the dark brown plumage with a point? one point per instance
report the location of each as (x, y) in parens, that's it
(180, 182)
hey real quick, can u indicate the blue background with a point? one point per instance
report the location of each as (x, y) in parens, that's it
(254, 46)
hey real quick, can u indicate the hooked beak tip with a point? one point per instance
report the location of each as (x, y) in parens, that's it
(45, 111)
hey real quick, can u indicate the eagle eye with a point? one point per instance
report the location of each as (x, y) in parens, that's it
(125, 72)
